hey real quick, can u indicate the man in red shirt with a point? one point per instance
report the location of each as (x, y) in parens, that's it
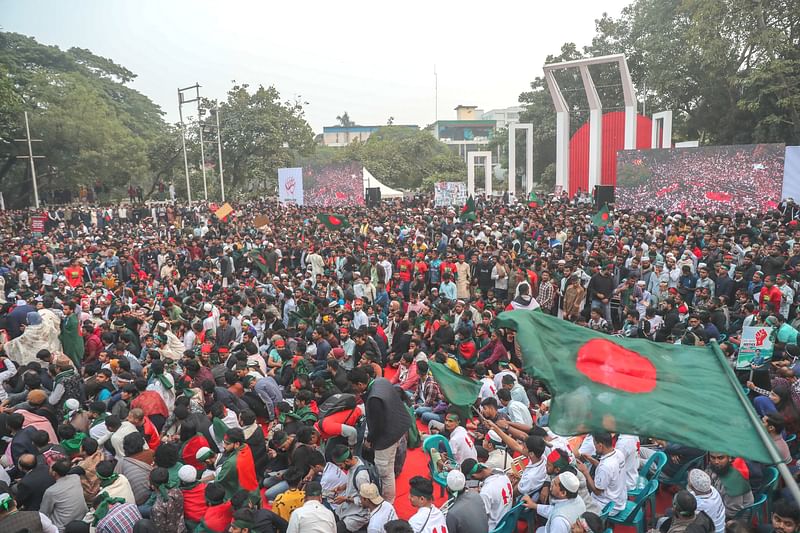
(404, 267)
(770, 294)
(74, 274)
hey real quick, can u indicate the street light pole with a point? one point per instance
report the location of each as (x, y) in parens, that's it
(31, 158)
(202, 148)
(219, 147)
(183, 142)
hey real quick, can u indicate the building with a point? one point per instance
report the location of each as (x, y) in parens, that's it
(344, 135)
(469, 132)
(503, 117)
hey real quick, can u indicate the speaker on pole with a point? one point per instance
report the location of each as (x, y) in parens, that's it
(603, 195)
(373, 196)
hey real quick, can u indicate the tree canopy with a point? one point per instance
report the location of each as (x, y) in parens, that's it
(727, 68)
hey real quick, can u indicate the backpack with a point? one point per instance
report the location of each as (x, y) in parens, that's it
(372, 470)
(336, 403)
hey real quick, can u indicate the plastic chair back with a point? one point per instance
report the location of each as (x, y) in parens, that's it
(680, 476)
(753, 510)
(436, 442)
(654, 465)
(508, 524)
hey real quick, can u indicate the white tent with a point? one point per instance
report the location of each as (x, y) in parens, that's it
(386, 191)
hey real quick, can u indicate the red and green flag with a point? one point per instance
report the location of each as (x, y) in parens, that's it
(602, 218)
(533, 200)
(468, 210)
(683, 394)
(333, 221)
(258, 260)
(238, 472)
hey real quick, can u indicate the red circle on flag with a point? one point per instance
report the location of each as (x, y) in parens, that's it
(608, 363)
(604, 216)
(334, 220)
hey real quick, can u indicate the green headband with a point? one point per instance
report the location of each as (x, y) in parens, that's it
(208, 455)
(5, 501)
(475, 468)
(344, 457)
(242, 524)
(452, 417)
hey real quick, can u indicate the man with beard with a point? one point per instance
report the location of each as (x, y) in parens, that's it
(730, 476)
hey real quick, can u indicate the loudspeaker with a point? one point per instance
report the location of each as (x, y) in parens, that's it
(373, 196)
(603, 195)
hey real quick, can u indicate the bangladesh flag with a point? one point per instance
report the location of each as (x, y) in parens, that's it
(533, 200)
(460, 391)
(682, 394)
(602, 218)
(238, 472)
(468, 211)
(332, 221)
(258, 259)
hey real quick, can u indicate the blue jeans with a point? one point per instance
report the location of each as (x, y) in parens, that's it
(426, 414)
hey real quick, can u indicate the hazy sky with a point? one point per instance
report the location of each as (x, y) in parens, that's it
(372, 59)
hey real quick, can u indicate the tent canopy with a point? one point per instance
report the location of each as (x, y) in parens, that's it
(386, 191)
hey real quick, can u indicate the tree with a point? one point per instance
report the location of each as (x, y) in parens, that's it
(94, 128)
(260, 134)
(344, 120)
(406, 158)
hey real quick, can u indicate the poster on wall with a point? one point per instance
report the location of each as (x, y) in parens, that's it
(709, 178)
(290, 185)
(334, 185)
(449, 193)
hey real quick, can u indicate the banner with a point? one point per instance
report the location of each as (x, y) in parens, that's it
(791, 174)
(290, 185)
(709, 179)
(37, 223)
(449, 193)
(756, 347)
(223, 211)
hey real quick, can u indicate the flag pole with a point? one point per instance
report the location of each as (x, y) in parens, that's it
(791, 484)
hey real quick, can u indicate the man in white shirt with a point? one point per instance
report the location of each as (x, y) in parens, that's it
(608, 484)
(380, 511)
(535, 474)
(126, 428)
(566, 506)
(461, 443)
(312, 517)
(499, 458)
(629, 446)
(428, 518)
(515, 410)
(708, 498)
(496, 490)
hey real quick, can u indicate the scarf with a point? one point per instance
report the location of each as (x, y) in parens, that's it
(249, 430)
(735, 479)
(61, 376)
(73, 445)
(163, 491)
(103, 507)
(108, 480)
(165, 382)
(99, 420)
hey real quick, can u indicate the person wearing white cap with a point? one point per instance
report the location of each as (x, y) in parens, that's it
(380, 511)
(708, 498)
(209, 322)
(567, 507)
(466, 513)
(499, 458)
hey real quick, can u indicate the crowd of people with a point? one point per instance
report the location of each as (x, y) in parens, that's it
(714, 179)
(333, 185)
(163, 370)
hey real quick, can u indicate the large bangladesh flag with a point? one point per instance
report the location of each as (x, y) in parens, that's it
(333, 221)
(602, 218)
(468, 211)
(238, 471)
(683, 394)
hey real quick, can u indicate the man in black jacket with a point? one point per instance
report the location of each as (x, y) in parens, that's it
(387, 422)
(35, 481)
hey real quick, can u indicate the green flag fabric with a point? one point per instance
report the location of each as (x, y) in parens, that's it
(533, 200)
(457, 389)
(333, 221)
(682, 394)
(468, 211)
(602, 217)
